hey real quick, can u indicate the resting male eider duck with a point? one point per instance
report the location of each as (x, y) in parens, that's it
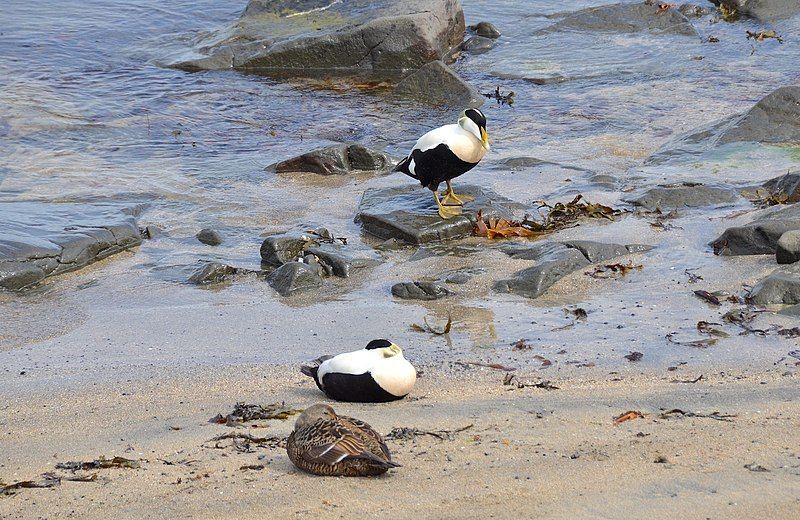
(324, 443)
(443, 154)
(377, 373)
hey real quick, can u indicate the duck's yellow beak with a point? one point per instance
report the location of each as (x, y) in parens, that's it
(485, 139)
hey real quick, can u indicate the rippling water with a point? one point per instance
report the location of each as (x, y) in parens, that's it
(87, 114)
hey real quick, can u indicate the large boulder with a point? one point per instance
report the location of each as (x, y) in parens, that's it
(39, 239)
(301, 37)
(408, 213)
(781, 286)
(555, 260)
(626, 18)
(685, 195)
(340, 159)
(775, 119)
(436, 84)
(788, 247)
(759, 237)
(766, 10)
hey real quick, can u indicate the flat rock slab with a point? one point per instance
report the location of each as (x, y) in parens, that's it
(766, 10)
(437, 84)
(775, 119)
(303, 37)
(781, 286)
(40, 239)
(408, 213)
(341, 159)
(425, 291)
(341, 260)
(759, 237)
(689, 195)
(626, 18)
(554, 261)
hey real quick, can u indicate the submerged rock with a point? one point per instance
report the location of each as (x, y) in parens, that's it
(787, 250)
(477, 45)
(302, 37)
(213, 272)
(693, 10)
(209, 237)
(277, 250)
(436, 84)
(556, 260)
(626, 18)
(781, 286)
(485, 30)
(341, 260)
(775, 119)
(766, 10)
(294, 277)
(759, 237)
(40, 239)
(419, 291)
(685, 195)
(408, 213)
(341, 159)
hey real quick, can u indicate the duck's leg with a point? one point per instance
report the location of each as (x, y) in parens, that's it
(446, 212)
(451, 199)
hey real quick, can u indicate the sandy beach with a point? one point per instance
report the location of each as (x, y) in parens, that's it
(520, 452)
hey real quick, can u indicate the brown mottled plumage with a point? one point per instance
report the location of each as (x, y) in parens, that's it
(324, 443)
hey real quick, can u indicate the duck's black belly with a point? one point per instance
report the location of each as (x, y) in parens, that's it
(436, 165)
(359, 388)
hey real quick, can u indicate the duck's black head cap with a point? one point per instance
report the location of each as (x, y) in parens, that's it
(477, 117)
(378, 343)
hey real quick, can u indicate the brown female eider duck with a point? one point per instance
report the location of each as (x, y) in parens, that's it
(324, 443)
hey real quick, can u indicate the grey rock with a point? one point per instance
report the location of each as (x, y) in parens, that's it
(550, 268)
(556, 260)
(358, 36)
(477, 45)
(775, 119)
(788, 247)
(151, 232)
(686, 195)
(213, 272)
(436, 84)
(759, 237)
(294, 277)
(793, 310)
(781, 286)
(462, 276)
(785, 186)
(766, 10)
(626, 18)
(209, 237)
(342, 260)
(485, 29)
(419, 291)
(39, 239)
(693, 10)
(342, 159)
(408, 213)
(277, 250)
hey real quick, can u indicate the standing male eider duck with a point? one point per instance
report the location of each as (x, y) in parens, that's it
(443, 154)
(377, 373)
(324, 443)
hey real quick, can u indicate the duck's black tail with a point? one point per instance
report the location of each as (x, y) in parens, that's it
(311, 368)
(403, 166)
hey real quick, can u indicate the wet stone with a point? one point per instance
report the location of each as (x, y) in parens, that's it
(626, 18)
(151, 232)
(40, 239)
(436, 84)
(788, 247)
(409, 213)
(277, 250)
(211, 273)
(355, 37)
(693, 10)
(766, 10)
(685, 195)
(419, 291)
(761, 236)
(600, 252)
(341, 260)
(477, 45)
(342, 159)
(462, 276)
(209, 237)
(294, 277)
(781, 286)
(485, 30)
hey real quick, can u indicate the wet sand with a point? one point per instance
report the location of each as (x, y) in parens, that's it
(526, 452)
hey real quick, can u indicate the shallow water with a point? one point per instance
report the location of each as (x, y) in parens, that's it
(86, 114)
